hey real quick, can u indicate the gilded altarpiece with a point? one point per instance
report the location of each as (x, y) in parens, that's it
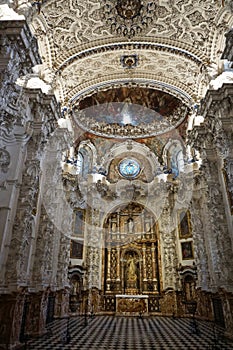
(131, 253)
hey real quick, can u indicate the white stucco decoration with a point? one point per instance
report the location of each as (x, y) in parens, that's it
(34, 82)
(224, 78)
(65, 124)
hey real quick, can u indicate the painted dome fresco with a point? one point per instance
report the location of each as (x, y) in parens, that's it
(135, 112)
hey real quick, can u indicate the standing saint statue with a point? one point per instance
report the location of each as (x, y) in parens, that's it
(114, 227)
(130, 224)
(131, 273)
(131, 268)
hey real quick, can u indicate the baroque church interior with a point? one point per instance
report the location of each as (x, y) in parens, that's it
(116, 162)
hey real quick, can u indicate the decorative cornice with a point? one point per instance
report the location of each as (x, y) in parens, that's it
(18, 32)
(215, 98)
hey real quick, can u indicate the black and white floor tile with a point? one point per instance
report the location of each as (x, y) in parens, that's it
(130, 333)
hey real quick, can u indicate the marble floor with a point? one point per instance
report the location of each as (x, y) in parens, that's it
(130, 333)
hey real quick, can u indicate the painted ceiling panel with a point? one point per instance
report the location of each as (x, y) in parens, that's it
(139, 112)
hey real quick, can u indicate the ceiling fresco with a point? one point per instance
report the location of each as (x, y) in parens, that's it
(134, 112)
(159, 101)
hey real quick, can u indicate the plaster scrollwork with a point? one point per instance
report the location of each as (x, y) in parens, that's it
(169, 255)
(228, 172)
(93, 262)
(229, 4)
(40, 275)
(4, 160)
(220, 239)
(212, 137)
(74, 195)
(26, 230)
(48, 251)
(93, 250)
(129, 18)
(169, 260)
(9, 95)
(74, 25)
(13, 256)
(104, 190)
(75, 74)
(198, 223)
(222, 143)
(22, 263)
(63, 261)
(14, 104)
(200, 228)
(103, 193)
(7, 122)
(52, 191)
(81, 22)
(23, 7)
(183, 189)
(63, 27)
(25, 225)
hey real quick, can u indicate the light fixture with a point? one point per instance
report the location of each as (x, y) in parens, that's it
(129, 17)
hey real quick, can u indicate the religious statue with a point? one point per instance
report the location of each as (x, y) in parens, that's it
(114, 227)
(131, 273)
(148, 227)
(130, 225)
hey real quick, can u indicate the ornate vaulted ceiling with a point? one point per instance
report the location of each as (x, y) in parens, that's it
(175, 45)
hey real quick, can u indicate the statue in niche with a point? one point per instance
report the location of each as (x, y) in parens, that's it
(114, 227)
(189, 288)
(148, 227)
(131, 274)
(75, 287)
(130, 225)
(132, 271)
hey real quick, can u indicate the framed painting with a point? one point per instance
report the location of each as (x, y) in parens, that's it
(79, 219)
(184, 224)
(187, 250)
(76, 250)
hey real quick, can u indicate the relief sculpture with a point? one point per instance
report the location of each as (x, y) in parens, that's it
(132, 305)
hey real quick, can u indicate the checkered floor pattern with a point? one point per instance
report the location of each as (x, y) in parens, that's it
(130, 333)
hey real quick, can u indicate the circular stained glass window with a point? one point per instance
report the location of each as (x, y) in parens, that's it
(129, 168)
